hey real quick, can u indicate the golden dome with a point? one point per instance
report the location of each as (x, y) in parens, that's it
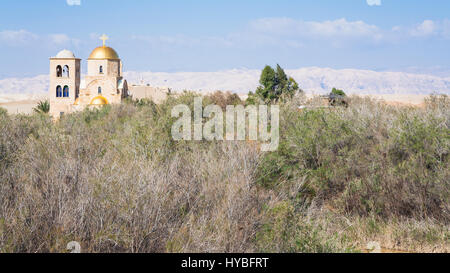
(99, 100)
(104, 52)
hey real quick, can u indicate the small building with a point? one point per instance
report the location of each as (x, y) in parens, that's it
(156, 94)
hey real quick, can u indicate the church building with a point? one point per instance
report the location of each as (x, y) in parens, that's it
(103, 84)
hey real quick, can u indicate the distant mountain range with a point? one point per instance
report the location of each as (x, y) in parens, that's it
(311, 79)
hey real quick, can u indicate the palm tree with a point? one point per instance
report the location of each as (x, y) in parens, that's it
(42, 107)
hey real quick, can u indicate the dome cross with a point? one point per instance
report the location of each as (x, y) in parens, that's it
(104, 38)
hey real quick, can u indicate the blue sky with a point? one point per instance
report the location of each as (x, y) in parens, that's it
(211, 35)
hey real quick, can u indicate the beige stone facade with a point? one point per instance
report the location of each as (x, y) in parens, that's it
(64, 83)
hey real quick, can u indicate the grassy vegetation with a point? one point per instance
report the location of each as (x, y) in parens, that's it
(114, 180)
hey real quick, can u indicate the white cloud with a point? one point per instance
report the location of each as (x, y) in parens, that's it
(26, 38)
(17, 37)
(184, 40)
(94, 36)
(342, 27)
(336, 29)
(446, 29)
(59, 38)
(292, 33)
(374, 2)
(63, 39)
(281, 32)
(426, 28)
(73, 2)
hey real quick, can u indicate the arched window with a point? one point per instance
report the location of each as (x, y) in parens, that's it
(101, 69)
(99, 90)
(66, 92)
(58, 91)
(65, 72)
(58, 71)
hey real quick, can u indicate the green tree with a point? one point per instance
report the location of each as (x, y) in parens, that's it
(338, 92)
(42, 107)
(268, 83)
(285, 85)
(274, 84)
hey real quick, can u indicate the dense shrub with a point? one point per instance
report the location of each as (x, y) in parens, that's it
(376, 160)
(338, 97)
(114, 180)
(223, 99)
(284, 230)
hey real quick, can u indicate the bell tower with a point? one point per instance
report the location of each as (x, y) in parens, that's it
(64, 82)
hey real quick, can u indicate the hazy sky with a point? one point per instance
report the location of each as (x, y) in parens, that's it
(210, 35)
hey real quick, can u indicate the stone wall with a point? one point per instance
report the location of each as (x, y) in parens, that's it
(156, 94)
